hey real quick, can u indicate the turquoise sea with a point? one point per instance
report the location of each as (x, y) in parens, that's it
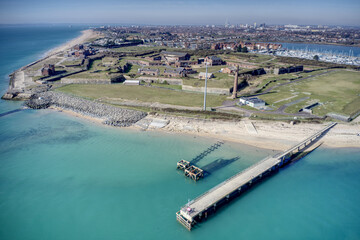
(63, 177)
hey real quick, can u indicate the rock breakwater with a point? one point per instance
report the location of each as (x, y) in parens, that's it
(111, 115)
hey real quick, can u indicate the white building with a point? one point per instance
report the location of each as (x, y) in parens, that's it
(131, 82)
(252, 102)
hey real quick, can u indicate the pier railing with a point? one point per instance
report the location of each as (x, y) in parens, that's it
(227, 180)
(316, 135)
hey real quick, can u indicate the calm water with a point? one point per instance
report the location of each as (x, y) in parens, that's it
(66, 178)
(322, 48)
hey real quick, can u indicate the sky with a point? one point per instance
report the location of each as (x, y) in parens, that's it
(181, 12)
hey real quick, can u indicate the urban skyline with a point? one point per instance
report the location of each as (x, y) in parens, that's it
(182, 12)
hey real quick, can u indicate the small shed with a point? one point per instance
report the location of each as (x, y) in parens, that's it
(131, 82)
(254, 102)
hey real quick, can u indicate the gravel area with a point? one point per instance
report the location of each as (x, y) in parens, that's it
(113, 116)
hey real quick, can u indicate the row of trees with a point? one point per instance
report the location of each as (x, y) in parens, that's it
(242, 49)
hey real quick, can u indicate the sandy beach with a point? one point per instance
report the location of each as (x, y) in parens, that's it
(85, 35)
(265, 134)
(274, 135)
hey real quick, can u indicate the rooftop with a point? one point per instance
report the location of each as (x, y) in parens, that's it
(253, 99)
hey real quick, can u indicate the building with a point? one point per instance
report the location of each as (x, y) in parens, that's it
(82, 53)
(229, 70)
(78, 47)
(149, 71)
(185, 63)
(155, 57)
(177, 72)
(189, 70)
(254, 102)
(131, 82)
(224, 46)
(48, 70)
(202, 75)
(172, 57)
(213, 60)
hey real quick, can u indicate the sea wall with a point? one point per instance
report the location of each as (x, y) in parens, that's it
(113, 116)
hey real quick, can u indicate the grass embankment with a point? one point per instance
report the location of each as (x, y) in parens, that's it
(337, 91)
(143, 94)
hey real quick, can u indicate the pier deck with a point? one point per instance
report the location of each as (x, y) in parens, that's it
(208, 201)
(211, 197)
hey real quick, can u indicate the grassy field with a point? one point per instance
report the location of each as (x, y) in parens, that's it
(91, 75)
(162, 85)
(70, 63)
(212, 83)
(144, 94)
(337, 92)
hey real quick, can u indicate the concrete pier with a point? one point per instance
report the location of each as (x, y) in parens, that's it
(199, 208)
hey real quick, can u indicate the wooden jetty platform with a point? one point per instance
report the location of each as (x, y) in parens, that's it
(182, 164)
(190, 170)
(194, 173)
(199, 208)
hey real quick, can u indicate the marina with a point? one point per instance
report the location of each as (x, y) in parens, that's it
(198, 209)
(328, 53)
(348, 59)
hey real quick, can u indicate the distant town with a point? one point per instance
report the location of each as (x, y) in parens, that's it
(204, 37)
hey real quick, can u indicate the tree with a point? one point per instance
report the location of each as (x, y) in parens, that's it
(239, 48)
(244, 50)
(316, 58)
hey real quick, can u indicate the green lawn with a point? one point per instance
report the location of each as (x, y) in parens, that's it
(141, 93)
(70, 63)
(90, 75)
(212, 83)
(337, 91)
(177, 87)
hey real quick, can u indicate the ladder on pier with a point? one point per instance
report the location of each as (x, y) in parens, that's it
(207, 151)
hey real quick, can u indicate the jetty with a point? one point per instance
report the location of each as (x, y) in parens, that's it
(190, 170)
(198, 209)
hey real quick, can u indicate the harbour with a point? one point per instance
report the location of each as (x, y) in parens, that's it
(328, 53)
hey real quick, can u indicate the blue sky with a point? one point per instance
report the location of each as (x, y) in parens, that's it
(345, 12)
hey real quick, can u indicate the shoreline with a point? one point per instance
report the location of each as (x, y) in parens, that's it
(18, 82)
(268, 135)
(82, 38)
